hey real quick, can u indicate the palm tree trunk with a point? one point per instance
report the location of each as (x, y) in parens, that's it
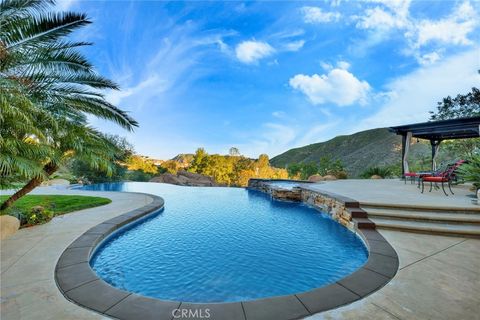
(49, 169)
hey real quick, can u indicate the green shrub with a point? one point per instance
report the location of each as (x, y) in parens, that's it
(383, 172)
(340, 174)
(325, 166)
(471, 171)
(39, 215)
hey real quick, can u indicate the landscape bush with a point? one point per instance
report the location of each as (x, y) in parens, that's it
(326, 166)
(39, 215)
(471, 171)
(384, 172)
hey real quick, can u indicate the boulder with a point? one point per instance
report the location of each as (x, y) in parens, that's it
(316, 178)
(329, 177)
(185, 178)
(376, 177)
(8, 226)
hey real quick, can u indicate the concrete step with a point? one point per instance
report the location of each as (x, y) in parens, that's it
(428, 216)
(428, 227)
(424, 208)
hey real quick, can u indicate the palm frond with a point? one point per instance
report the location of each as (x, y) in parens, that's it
(36, 30)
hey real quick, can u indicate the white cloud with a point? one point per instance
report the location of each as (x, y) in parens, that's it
(412, 96)
(421, 35)
(429, 58)
(401, 7)
(294, 45)
(451, 30)
(252, 51)
(317, 133)
(317, 15)
(343, 65)
(271, 138)
(326, 66)
(378, 18)
(152, 82)
(338, 86)
(169, 71)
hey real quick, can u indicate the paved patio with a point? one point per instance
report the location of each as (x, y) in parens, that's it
(395, 191)
(439, 277)
(28, 259)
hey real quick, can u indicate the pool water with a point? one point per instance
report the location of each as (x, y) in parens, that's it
(225, 244)
(288, 185)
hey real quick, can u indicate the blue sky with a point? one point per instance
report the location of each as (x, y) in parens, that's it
(268, 76)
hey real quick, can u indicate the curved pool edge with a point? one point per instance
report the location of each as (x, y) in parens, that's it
(79, 283)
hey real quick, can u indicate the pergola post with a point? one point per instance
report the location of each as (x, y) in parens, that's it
(435, 146)
(405, 150)
(404, 140)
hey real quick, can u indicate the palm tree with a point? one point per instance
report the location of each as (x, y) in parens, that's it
(47, 87)
(71, 140)
(22, 143)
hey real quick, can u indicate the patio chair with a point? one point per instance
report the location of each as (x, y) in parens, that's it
(446, 176)
(411, 175)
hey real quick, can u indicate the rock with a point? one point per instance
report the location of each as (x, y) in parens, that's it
(316, 178)
(376, 177)
(166, 178)
(329, 177)
(56, 182)
(8, 226)
(185, 178)
(195, 179)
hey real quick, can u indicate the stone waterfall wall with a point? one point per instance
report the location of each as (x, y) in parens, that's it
(330, 204)
(337, 206)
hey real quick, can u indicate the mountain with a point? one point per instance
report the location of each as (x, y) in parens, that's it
(183, 159)
(359, 151)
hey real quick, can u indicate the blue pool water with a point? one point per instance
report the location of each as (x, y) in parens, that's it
(286, 184)
(225, 244)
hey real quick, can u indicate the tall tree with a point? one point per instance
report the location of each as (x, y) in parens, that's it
(462, 106)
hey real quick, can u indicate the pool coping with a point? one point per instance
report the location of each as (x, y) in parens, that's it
(81, 285)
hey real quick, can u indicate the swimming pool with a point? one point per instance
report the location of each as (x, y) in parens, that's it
(223, 245)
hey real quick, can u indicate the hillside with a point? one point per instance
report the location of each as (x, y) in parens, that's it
(376, 147)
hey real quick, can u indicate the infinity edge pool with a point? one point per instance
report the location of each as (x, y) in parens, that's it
(81, 285)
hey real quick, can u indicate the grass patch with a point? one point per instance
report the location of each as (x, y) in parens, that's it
(38, 209)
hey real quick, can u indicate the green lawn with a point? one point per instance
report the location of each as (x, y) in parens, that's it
(53, 204)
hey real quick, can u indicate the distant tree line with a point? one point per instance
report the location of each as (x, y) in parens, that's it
(234, 169)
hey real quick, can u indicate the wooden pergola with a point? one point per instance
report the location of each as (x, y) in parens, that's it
(436, 132)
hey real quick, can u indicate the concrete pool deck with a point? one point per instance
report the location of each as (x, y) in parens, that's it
(439, 276)
(396, 192)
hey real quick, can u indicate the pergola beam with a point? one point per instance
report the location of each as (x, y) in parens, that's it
(436, 132)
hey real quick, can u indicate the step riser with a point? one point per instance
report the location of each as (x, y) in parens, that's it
(413, 209)
(435, 232)
(420, 219)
